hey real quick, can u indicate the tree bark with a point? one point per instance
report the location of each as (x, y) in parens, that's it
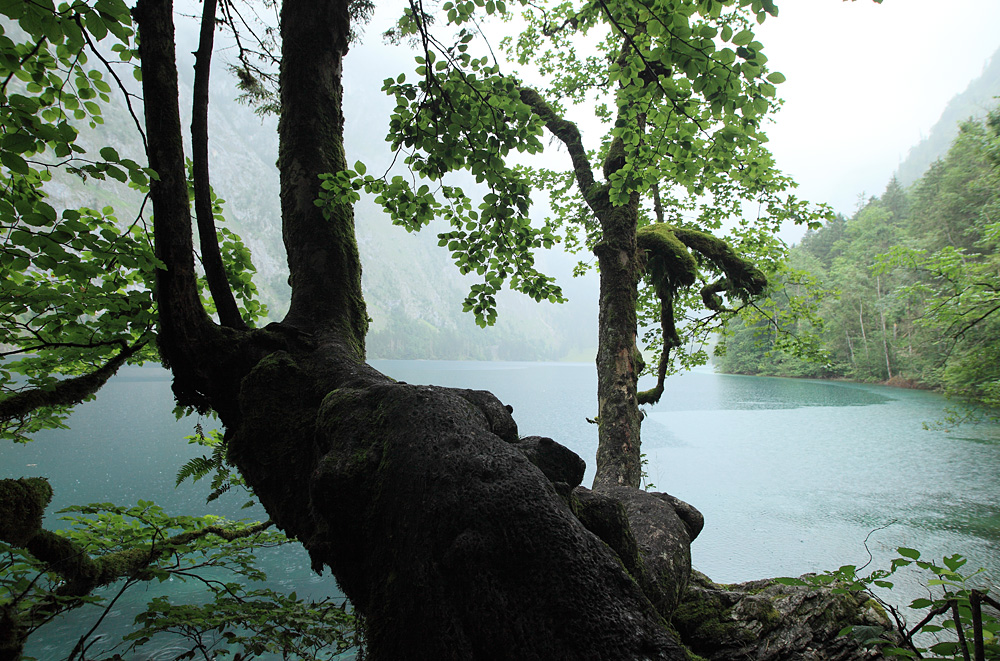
(861, 323)
(211, 256)
(881, 315)
(437, 527)
(320, 243)
(618, 452)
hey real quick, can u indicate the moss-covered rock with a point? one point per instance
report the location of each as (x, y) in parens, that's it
(767, 621)
(650, 532)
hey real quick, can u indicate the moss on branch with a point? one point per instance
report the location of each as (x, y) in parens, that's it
(670, 267)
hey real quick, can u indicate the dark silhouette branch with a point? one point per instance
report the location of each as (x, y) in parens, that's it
(67, 392)
(211, 256)
(190, 343)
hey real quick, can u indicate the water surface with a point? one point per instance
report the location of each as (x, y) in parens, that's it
(791, 475)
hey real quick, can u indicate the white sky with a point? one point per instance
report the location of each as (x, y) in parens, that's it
(866, 82)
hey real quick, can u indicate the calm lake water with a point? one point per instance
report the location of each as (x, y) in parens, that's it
(791, 475)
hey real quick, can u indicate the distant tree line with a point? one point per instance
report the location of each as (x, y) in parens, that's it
(910, 284)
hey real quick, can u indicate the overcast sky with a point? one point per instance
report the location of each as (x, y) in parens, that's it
(866, 82)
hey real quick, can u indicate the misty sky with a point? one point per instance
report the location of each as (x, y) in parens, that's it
(866, 82)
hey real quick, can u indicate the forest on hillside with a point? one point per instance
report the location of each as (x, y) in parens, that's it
(907, 289)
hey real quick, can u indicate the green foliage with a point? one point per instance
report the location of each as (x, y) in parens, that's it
(76, 301)
(915, 273)
(217, 554)
(679, 88)
(248, 623)
(948, 618)
(63, 270)
(214, 464)
(75, 283)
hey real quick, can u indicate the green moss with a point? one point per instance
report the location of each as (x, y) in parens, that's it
(873, 605)
(22, 505)
(669, 264)
(703, 619)
(691, 656)
(744, 277)
(637, 361)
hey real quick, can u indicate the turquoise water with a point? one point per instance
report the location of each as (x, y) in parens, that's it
(791, 475)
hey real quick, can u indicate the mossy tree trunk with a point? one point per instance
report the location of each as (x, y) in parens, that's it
(618, 359)
(618, 450)
(439, 530)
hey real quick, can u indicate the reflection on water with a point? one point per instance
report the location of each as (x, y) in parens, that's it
(791, 475)
(750, 393)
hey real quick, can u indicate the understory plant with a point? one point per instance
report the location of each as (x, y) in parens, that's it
(956, 619)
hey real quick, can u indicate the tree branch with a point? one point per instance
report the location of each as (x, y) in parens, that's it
(211, 256)
(569, 134)
(194, 347)
(22, 505)
(67, 392)
(322, 249)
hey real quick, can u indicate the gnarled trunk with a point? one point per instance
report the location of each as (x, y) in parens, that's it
(438, 528)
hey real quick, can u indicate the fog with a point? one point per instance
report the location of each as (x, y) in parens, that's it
(866, 82)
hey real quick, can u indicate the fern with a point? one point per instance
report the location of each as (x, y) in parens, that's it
(215, 464)
(195, 469)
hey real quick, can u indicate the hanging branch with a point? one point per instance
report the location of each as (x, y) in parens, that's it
(670, 267)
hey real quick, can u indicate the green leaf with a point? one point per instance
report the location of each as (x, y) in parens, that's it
(743, 38)
(913, 554)
(776, 77)
(14, 162)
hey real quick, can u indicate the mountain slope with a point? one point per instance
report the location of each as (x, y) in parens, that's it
(974, 102)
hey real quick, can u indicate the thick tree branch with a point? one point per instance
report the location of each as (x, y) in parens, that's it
(211, 256)
(191, 344)
(321, 245)
(67, 392)
(177, 286)
(744, 278)
(569, 134)
(670, 267)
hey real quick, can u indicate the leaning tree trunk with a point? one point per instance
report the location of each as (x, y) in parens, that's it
(618, 359)
(420, 499)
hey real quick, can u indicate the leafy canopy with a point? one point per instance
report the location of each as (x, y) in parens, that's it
(677, 93)
(76, 287)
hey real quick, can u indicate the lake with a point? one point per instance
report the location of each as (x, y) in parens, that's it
(791, 475)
